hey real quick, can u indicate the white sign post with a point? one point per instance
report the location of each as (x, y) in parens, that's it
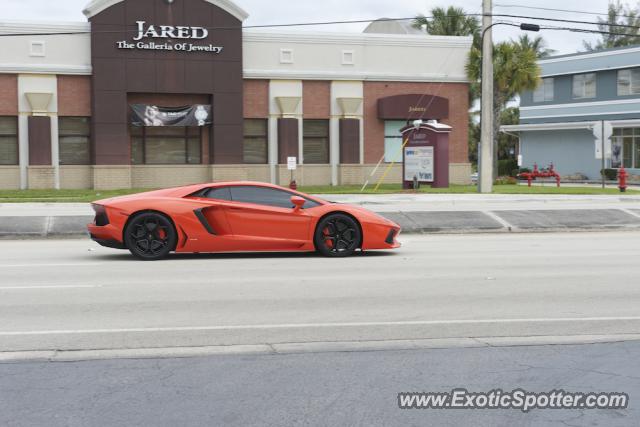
(292, 163)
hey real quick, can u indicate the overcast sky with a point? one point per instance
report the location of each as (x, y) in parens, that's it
(290, 11)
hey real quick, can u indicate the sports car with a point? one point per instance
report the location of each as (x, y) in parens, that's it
(236, 217)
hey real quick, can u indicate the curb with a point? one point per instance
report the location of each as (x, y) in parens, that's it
(412, 222)
(271, 349)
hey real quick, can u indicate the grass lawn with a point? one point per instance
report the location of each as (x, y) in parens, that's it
(79, 196)
(60, 196)
(465, 189)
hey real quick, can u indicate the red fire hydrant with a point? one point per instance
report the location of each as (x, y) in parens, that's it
(293, 184)
(622, 179)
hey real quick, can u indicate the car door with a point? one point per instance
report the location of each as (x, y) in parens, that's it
(267, 215)
(212, 215)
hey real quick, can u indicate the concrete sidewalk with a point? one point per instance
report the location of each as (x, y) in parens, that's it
(416, 213)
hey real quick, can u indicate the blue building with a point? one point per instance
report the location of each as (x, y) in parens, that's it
(582, 98)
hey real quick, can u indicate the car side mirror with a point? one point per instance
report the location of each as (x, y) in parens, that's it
(298, 202)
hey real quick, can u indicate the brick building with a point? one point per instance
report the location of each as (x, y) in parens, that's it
(69, 93)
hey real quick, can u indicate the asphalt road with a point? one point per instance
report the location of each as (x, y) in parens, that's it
(89, 336)
(317, 389)
(75, 295)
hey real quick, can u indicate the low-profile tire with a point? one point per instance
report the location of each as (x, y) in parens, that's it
(150, 236)
(337, 235)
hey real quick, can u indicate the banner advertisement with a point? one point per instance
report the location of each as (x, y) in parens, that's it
(152, 115)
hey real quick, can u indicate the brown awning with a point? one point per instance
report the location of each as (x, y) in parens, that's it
(413, 106)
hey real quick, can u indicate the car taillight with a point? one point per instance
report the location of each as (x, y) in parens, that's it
(101, 218)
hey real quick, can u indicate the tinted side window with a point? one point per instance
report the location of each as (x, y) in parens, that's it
(265, 196)
(220, 193)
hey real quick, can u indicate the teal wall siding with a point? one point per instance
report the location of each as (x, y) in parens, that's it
(583, 62)
(570, 151)
(606, 90)
(609, 105)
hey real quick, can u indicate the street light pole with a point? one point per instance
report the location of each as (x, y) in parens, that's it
(485, 159)
(486, 149)
(602, 148)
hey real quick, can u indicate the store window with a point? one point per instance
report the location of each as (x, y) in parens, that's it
(315, 141)
(393, 140)
(8, 140)
(74, 136)
(544, 91)
(625, 148)
(584, 85)
(166, 145)
(255, 141)
(629, 82)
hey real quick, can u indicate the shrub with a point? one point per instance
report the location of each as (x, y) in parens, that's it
(506, 180)
(507, 166)
(609, 174)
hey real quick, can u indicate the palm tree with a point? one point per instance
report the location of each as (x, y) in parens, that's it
(537, 44)
(508, 116)
(449, 22)
(617, 15)
(515, 70)
(455, 22)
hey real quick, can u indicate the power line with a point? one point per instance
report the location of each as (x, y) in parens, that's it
(569, 21)
(297, 24)
(318, 23)
(584, 30)
(550, 9)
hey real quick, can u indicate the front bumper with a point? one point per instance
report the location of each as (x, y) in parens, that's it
(380, 236)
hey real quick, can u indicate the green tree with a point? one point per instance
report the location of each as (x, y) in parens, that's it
(515, 69)
(617, 14)
(473, 138)
(507, 143)
(450, 22)
(455, 22)
(537, 44)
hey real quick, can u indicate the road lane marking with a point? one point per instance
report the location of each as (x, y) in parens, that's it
(11, 288)
(630, 212)
(50, 265)
(498, 218)
(319, 325)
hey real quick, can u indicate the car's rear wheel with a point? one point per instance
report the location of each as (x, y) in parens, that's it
(150, 236)
(337, 235)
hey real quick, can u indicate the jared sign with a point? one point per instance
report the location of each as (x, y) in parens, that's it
(170, 34)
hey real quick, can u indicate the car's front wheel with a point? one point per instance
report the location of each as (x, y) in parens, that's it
(150, 236)
(337, 235)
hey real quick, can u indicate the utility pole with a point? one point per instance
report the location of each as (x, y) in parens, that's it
(603, 153)
(485, 159)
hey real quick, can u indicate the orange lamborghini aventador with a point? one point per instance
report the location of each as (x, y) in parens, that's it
(236, 217)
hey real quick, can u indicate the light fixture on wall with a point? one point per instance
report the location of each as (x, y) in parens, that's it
(169, 1)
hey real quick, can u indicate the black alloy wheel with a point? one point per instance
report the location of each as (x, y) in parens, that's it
(150, 236)
(337, 235)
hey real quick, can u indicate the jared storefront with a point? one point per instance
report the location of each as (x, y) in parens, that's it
(153, 93)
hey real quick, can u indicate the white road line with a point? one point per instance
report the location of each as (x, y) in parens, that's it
(19, 288)
(319, 325)
(630, 212)
(498, 218)
(50, 265)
